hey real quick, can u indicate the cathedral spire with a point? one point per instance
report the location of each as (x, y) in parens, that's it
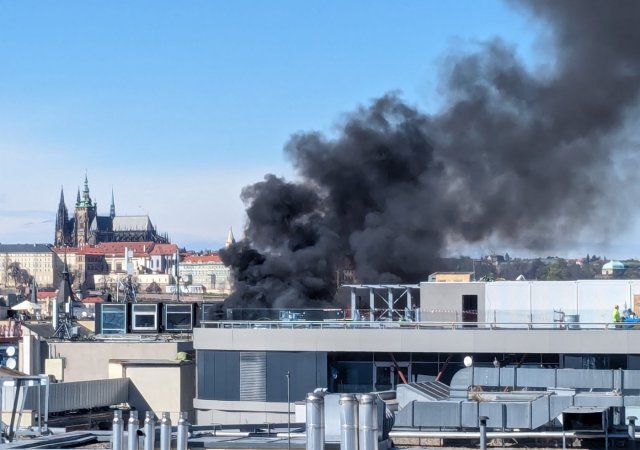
(112, 212)
(86, 199)
(62, 219)
(78, 198)
(230, 239)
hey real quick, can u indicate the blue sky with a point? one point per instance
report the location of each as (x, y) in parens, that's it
(177, 105)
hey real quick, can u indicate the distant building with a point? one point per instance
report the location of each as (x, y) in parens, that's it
(613, 269)
(207, 271)
(37, 259)
(451, 277)
(103, 265)
(86, 227)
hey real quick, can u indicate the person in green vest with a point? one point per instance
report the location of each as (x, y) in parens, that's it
(616, 314)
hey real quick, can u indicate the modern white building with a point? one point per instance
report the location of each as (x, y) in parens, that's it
(382, 343)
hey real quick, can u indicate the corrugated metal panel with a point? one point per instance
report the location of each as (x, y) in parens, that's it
(486, 376)
(494, 412)
(587, 379)
(404, 417)
(469, 414)
(540, 411)
(82, 394)
(518, 415)
(436, 414)
(461, 380)
(558, 403)
(597, 400)
(631, 379)
(253, 376)
(536, 377)
(631, 400)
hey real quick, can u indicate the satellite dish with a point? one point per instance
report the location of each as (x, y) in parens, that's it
(11, 350)
(11, 363)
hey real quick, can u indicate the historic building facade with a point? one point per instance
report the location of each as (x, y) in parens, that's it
(38, 260)
(86, 227)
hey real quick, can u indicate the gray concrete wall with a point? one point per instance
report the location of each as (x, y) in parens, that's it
(227, 412)
(162, 388)
(411, 339)
(89, 360)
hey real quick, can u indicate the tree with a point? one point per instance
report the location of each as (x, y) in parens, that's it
(153, 288)
(18, 275)
(13, 272)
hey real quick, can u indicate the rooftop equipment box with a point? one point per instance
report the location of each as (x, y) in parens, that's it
(145, 317)
(178, 317)
(112, 318)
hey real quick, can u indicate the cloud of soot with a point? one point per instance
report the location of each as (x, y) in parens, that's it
(513, 154)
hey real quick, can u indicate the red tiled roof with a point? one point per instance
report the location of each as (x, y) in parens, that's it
(95, 299)
(117, 248)
(63, 250)
(164, 249)
(202, 259)
(45, 295)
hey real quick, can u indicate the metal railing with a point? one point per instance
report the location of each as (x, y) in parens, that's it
(424, 325)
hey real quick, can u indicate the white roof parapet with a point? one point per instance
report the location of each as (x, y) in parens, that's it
(381, 286)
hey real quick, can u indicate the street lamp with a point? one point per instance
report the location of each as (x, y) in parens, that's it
(468, 362)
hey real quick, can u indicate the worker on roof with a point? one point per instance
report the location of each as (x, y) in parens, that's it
(616, 314)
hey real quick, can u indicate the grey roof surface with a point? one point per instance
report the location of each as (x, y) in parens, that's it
(131, 223)
(102, 223)
(24, 248)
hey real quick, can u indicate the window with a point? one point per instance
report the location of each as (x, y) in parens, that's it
(178, 317)
(145, 317)
(114, 319)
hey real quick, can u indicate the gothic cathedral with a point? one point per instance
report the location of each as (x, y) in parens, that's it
(87, 228)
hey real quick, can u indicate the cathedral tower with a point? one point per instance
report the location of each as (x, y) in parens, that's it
(84, 215)
(62, 236)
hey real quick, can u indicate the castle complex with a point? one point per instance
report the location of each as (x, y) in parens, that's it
(86, 227)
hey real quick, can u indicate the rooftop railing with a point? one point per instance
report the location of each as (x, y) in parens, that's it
(425, 325)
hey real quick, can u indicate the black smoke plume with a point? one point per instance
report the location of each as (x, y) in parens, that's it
(515, 153)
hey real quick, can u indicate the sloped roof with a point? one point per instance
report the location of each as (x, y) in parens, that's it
(214, 258)
(101, 223)
(117, 248)
(164, 249)
(132, 223)
(24, 248)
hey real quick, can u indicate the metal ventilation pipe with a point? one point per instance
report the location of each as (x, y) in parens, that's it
(368, 422)
(132, 430)
(315, 421)
(348, 422)
(183, 431)
(117, 430)
(483, 432)
(165, 431)
(389, 420)
(149, 431)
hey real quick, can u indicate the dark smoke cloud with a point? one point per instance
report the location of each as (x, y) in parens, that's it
(514, 154)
